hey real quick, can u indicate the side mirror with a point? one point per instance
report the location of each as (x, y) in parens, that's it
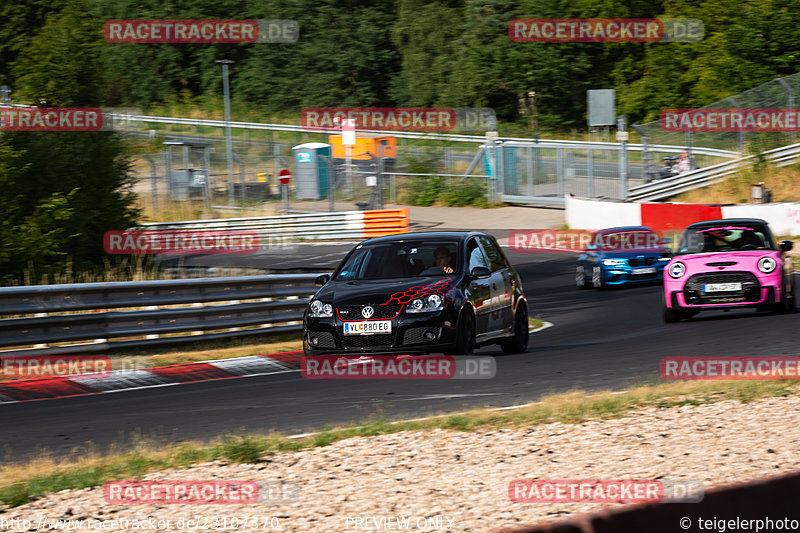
(786, 245)
(591, 247)
(480, 273)
(666, 240)
(323, 279)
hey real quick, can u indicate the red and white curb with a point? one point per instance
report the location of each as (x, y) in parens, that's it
(119, 380)
(24, 390)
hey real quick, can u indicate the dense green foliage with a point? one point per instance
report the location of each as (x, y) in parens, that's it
(406, 52)
(59, 191)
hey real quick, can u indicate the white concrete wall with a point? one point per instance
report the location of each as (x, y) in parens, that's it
(597, 214)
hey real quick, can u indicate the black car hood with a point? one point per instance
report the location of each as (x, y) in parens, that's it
(382, 291)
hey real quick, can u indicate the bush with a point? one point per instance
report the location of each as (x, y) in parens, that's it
(467, 193)
(424, 190)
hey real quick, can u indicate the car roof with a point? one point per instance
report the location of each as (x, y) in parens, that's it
(458, 235)
(728, 221)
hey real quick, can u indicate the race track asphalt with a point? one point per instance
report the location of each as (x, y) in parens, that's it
(600, 340)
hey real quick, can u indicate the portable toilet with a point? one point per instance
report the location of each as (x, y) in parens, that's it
(312, 170)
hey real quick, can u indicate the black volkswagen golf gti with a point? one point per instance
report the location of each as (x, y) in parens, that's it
(444, 292)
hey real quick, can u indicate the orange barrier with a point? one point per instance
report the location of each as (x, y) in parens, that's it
(380, 222)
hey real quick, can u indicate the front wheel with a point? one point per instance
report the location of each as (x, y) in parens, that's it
(597, 278)
(787, 303)
(465, 333)
(519, 342)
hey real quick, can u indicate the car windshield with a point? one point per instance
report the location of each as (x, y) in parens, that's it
(401, 260)
(724, 238)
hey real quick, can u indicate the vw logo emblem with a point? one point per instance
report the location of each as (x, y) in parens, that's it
(367, 312)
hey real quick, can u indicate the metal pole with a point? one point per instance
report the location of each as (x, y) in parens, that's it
(789, 101)
(623, 157)
(226, 88)
(169, 172)
(741, 132)
(348, 170)
(590, 171)
(153, 185)
(381, 144)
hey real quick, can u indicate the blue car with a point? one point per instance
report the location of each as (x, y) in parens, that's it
(631, 254)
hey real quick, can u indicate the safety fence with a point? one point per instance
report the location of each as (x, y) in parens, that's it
(704, 177)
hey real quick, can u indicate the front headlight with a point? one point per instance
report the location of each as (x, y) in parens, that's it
(320, 310)
(677, 269)
(767, 265)
(425, 305)
(613, 262)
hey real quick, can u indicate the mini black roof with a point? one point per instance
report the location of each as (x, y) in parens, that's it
(729, 222)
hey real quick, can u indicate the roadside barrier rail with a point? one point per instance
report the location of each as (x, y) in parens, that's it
(308, 226)
(53, 319)
(703, 177)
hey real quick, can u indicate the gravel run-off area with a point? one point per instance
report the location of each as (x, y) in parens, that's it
(458, 481)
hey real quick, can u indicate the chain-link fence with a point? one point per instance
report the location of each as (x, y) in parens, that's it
(781, 93)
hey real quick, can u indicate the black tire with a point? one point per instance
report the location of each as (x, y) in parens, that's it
(787, 303)
(519, 342)
(670, 315)
(465, 333)
(597, 278)
(580, 278)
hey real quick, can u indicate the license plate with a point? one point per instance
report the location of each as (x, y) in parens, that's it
(722, 287)
(649, 270)
(368, 327)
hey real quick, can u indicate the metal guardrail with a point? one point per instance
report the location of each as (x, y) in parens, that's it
(703, 177)
(479, 139)
(279, 230)
(126, 314)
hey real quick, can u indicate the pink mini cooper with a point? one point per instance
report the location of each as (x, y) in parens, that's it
(724, 264)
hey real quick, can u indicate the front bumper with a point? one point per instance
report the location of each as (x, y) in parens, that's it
(618, 275)
(411, 333)
(763, 296)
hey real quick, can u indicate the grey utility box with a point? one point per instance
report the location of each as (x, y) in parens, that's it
(312, 170)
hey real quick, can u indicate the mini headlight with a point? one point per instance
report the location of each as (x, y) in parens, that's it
(320, 310)
(767, 265)
(677, 269)
(613, 262)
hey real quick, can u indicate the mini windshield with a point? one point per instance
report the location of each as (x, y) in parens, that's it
(722, 238)
(401, 260)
